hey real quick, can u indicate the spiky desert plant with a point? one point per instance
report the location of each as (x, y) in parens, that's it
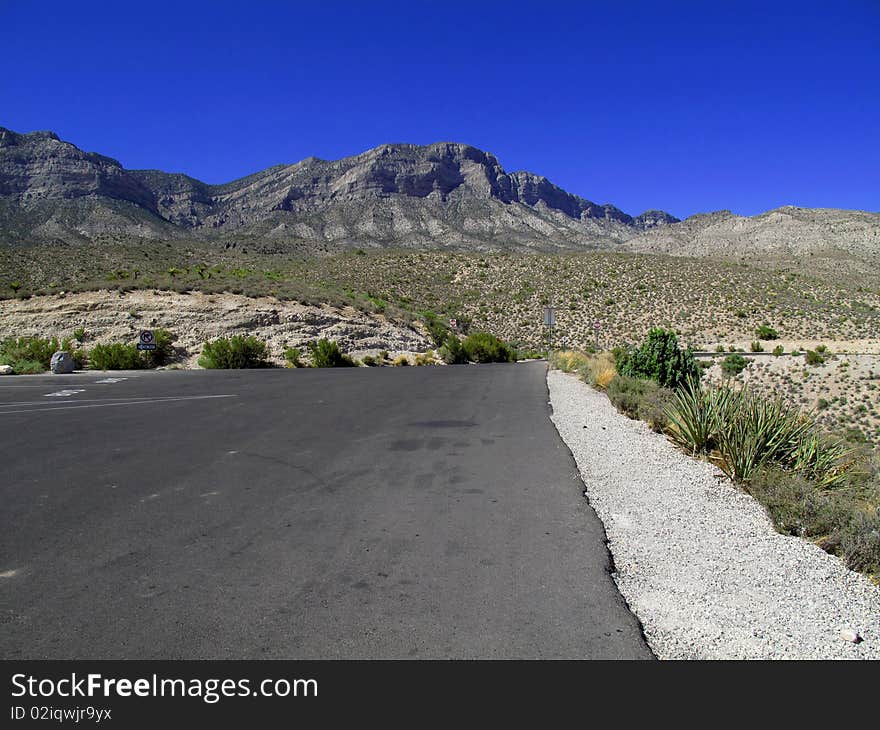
(698, 415)
(759, 431)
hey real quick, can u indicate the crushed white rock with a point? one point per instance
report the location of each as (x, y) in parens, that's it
(697, 560)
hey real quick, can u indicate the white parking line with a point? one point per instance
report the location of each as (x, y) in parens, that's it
(110, 380)
(122, 403)
(66, 393)
(78, 400)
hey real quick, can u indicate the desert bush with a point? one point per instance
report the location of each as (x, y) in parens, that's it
(604, 377)
(483, 347)
(16, 351)
(116, 356)
(641, 399)
(326, 354)
(452, 352)
(369, 361)
(858, 541)
(765, 332)
(658, 358)
(756, 346)
(293, 357)
(796, 506)
(401, 361)
(811, 357)
(26, 367)
(778, 351)
(236, 352)
(437, 328)
(424, 358)
(733, 365)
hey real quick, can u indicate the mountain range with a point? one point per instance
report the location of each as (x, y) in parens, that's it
(438, 196)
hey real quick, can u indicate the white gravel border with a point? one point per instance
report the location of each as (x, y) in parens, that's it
(697, 560)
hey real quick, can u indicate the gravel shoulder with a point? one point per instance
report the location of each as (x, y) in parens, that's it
(698, 561)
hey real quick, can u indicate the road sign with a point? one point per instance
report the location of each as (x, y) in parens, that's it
(453, 323)
(146, 341)
(597, 325)
(549, 317)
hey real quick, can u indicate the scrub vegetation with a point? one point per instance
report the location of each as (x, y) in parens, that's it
(813, 483)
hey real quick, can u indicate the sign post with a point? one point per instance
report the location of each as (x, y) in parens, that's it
(549, 322)
(146, 340)
(597, 325)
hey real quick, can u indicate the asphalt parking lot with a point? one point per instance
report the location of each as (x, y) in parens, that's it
(352, 513)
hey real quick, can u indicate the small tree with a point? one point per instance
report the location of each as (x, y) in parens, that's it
(659, 358)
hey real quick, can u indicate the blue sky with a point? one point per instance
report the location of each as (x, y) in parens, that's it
(683, 106)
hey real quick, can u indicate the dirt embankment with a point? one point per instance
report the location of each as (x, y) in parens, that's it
(109, 316)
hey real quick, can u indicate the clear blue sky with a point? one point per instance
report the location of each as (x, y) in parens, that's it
(684, 106)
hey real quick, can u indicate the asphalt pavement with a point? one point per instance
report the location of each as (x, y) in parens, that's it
(298, 514)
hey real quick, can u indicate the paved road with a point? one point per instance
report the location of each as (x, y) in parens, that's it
(369, 513)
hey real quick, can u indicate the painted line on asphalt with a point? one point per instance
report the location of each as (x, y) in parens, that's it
(81, 400)
(124, 403)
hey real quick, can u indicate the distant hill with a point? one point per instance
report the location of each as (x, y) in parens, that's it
(439, 196)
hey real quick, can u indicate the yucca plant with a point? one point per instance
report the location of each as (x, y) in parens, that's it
(758, 432)
(826, 462)
(698, 414)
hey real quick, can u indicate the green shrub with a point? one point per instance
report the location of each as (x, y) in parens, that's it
(293, 357)
(437, 328)
(859, 541)
(757, 346)
(370, 361)
(778, 351)
(641, 399)
(483, 347)
(27, 367)
(117, 356)
(733, 364)
(811, 357)
(326, 354)
(659, 358)
(28, 350)
(236, 352)
(79, 334)
(795, 505)
(452, 352)
(765, 332)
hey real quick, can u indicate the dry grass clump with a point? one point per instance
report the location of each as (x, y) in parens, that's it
(596, 369)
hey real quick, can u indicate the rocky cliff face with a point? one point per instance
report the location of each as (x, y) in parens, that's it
(39, 166)
(443, 194)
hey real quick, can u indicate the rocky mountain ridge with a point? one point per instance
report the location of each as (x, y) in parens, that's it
(439, 196)
(394, 194)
